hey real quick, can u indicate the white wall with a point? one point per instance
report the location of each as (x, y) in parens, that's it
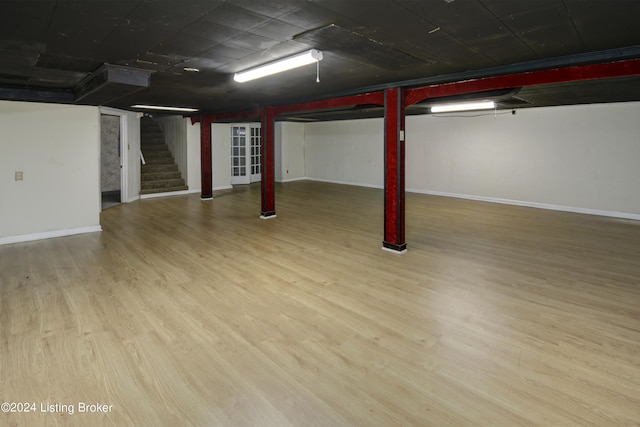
(581, 158)
(193, 178)
(131, 122)
(57, 147)
(349, 151)
(577, 158)
(221, 153)
(289, 151)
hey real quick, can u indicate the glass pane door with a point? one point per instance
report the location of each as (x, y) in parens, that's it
(246, 152)
(256, 154)
(239, 170)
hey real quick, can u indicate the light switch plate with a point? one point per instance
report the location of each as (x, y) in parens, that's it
(19, 175)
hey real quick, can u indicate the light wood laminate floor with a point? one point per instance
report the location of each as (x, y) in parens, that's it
(185, 312)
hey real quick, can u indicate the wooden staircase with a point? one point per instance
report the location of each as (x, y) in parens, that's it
(160, 174)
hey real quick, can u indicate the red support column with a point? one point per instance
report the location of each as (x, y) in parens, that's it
(268, 164)
(205, 159)
(394, 170)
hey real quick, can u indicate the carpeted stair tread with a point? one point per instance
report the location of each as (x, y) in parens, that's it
(154, 147)
(159, 168)
(159, 160)
(152, 176)
(157, 154)
(161, 183)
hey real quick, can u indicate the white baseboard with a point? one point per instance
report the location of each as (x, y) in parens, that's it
(404, 251)
(49, 235)
(179, 193)
(357, 184)
(168, 194)
(613, 214)
(294, 179)
(586, 211)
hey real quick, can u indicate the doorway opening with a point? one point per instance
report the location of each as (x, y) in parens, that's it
(114, 157)
(110, 161)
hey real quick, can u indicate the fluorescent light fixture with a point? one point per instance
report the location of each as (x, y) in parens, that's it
(158, 107)
(295, 61)
(466, 106)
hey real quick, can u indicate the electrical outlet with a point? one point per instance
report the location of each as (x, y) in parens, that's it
(19, 175)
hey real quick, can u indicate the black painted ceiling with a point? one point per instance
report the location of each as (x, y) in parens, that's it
(49, 48)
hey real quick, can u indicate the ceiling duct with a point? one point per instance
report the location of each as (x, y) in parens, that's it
(109, 83)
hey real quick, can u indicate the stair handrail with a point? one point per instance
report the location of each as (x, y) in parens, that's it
(142, 158)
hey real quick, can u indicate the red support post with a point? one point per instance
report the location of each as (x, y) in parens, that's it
(394, 118)
(206, 171)
(268, 163)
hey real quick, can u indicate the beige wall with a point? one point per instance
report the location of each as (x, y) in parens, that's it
(221, 153)
(290, 149)
(194, 180)
(577, 158)
(349, 151)
(580, 158)
(57, 147)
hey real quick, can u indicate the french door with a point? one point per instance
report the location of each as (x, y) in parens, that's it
(246, 151)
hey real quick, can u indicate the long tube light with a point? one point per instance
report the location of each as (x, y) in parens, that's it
(466, 106)
(295, 61)
(159, 107)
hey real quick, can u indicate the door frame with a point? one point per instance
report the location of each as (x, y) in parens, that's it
(124, 149)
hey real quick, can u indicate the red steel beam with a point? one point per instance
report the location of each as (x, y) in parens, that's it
(374, 98)
(625, 68)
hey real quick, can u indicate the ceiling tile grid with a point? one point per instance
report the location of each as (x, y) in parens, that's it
(54, 44)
